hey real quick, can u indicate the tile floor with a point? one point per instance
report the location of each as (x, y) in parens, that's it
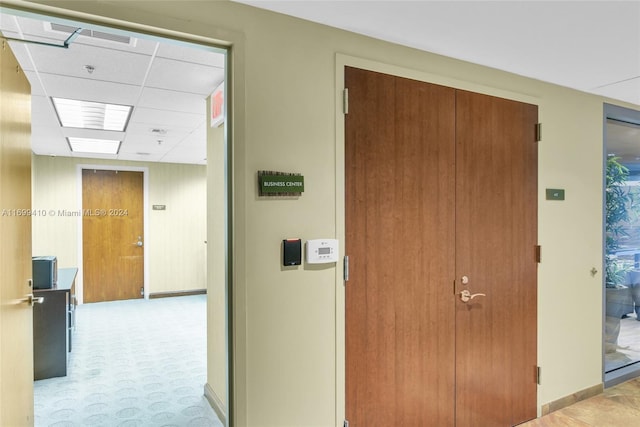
(618, 406)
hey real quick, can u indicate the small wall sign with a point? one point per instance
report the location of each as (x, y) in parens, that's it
(272, 183)
(555, 193)
(217, 106)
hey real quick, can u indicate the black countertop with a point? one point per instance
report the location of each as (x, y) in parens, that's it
(66, 276)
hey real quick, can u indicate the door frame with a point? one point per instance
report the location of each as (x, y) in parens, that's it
(624, 114)
(145, 218)
(342, 61)
(231, 44)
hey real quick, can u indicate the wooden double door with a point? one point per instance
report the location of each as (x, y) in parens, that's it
(441, 201)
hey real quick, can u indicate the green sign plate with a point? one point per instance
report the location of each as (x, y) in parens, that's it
(555, 193)
(281, 184)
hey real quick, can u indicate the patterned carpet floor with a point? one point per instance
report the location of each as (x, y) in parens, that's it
(133, 363)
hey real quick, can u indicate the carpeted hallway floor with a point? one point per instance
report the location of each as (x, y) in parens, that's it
(133, 363)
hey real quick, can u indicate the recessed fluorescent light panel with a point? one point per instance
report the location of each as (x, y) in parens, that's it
(94, 146)
(92, 115)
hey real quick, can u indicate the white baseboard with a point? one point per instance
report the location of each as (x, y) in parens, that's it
(218, 406)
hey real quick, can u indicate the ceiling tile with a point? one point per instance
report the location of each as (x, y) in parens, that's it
(48, 140)
(109, 65)
(192, 54)
(90, 90)
(22, 55)
(42, 109)
(149, 130)
(184, 77)
(165, 99)
(166, 119)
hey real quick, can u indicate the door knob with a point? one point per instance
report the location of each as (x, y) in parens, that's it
(467, 296)
(32, 300)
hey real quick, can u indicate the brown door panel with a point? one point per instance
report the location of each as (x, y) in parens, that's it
(113, 263)
(496, 219)
(400, 354)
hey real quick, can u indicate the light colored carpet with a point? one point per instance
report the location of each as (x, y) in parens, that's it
(133, 363)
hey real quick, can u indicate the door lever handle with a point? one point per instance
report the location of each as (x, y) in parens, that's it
(467, 296)
(32, 300)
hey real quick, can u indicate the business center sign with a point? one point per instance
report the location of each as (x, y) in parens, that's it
(280, 184)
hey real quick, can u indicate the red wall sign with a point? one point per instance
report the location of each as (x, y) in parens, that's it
(217, 106)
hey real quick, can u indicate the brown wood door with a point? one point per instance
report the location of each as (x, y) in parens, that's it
(400, 194)
(112, 235)
(416, 209)
(16, 318)
(496, 236)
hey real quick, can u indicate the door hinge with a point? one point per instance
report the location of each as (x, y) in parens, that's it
(345, 424)
(538, 375)
(345, 101)
(538, 132)
(345, 274)
(538, 250)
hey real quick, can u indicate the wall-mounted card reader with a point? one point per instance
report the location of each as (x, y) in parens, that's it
(321, 251)
(291, 252)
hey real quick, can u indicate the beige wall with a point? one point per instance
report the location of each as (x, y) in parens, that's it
(287, 80)
(175, 243)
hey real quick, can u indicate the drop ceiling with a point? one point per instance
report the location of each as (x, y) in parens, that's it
(166, 82)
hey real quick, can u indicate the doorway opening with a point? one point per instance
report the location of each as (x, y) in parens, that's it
(168, 83)
(621, 261)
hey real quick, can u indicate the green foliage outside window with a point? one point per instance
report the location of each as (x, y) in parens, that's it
(620, 210)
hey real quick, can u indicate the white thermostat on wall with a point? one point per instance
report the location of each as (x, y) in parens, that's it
(322, 251)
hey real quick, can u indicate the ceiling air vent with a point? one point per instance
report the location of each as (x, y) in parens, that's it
(67, 29)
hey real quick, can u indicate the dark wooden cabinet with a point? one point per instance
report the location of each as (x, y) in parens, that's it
(53, 324)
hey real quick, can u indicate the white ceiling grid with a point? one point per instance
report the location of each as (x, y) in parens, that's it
(166, 83)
